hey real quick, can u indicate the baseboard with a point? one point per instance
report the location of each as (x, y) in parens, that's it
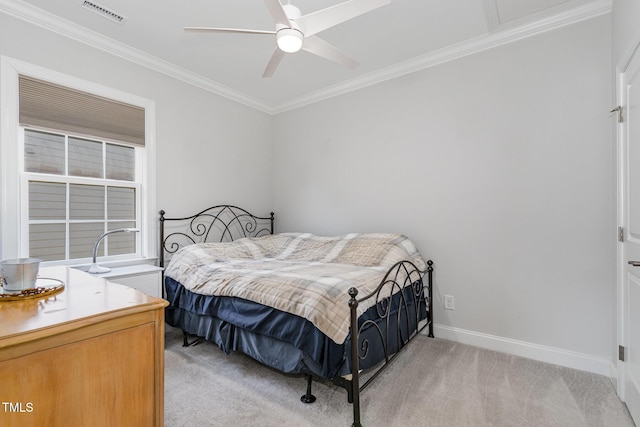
(556, 356)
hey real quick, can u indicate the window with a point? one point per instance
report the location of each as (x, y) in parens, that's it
(78, 189)
(63, 186)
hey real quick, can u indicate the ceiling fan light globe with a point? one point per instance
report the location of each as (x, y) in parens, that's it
(289, 40)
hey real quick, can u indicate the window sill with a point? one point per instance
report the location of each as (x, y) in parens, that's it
(144, 277)
(117, 271)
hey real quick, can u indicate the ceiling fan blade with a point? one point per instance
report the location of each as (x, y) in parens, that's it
(315, 22)
(319, 47)
(225, 30)
(273, 63)
(277, 12)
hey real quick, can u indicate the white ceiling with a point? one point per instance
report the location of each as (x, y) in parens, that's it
(401, 37)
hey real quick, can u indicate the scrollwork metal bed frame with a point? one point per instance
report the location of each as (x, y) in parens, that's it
(227, 223)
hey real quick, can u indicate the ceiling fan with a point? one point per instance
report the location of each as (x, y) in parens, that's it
(295, 31)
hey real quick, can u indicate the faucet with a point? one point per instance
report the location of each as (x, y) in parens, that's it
(95, 268)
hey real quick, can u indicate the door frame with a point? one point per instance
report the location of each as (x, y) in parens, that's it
(620, 217)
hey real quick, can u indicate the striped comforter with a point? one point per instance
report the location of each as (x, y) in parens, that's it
(298, 273)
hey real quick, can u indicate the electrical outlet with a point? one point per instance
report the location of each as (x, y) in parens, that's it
(448, 302)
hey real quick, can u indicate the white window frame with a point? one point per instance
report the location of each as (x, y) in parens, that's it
(64, 178)
(13, 215)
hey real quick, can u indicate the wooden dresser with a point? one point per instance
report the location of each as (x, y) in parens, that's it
(91, 355)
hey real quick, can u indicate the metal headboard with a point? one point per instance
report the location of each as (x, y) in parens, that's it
(221, 223)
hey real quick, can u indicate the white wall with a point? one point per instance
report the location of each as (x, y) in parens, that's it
(201, 138)
(498, 165)
(626, 29)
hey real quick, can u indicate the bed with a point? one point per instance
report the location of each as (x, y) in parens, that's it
(336, 308)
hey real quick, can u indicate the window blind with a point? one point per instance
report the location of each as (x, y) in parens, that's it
(57, 107)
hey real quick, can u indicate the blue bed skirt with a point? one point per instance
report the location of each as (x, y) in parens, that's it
(283, 341)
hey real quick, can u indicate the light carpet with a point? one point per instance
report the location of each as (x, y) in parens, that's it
(433, 382)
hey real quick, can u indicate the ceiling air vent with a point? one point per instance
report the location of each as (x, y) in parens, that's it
(104, 12)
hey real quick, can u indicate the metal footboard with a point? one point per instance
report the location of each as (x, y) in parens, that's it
(404, 279)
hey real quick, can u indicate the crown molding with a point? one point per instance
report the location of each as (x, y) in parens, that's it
(504, 34)
(56, 24)
(500, 35)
